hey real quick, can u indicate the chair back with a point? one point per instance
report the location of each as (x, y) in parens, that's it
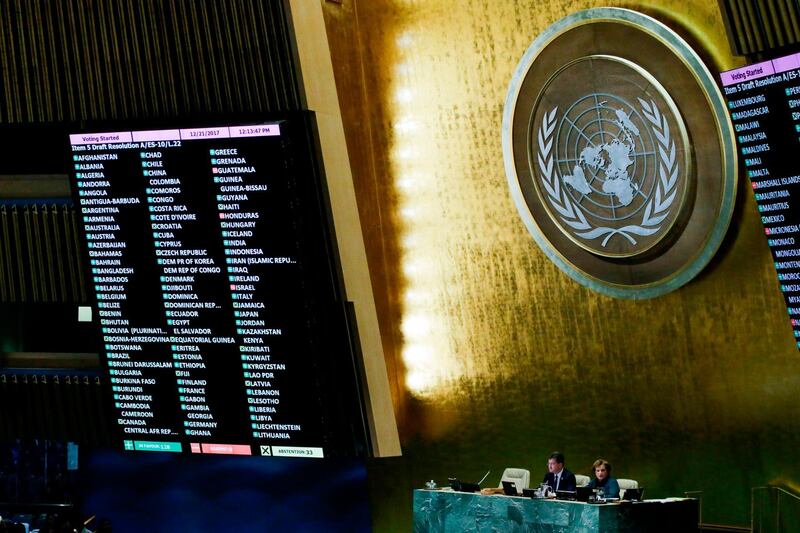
(581, 481)
(519, 476)
(626, 484)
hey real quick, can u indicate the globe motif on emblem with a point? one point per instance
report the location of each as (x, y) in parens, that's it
(605, 156)
(607, 163)
(619, 153)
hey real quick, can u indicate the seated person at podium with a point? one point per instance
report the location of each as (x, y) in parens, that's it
(603, 480)
(558, 477)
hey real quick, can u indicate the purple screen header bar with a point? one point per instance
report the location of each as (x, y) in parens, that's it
(760, 70)
(205, 133)
(157, 135)
(190, 134)
(786, 63)
(100, 138)
(256, 130)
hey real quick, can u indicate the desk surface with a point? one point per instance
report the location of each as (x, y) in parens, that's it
(439, 511)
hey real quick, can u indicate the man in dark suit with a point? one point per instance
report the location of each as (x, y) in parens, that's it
(558, 477)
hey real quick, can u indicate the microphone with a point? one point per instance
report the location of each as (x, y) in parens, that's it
(484, 477)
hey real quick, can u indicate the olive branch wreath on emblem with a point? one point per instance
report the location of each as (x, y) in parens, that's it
(657, 208)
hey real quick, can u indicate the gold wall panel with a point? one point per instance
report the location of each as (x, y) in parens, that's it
(495, 357)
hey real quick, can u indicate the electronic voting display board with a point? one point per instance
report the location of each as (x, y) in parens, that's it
(764, 105)
(214, 271)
